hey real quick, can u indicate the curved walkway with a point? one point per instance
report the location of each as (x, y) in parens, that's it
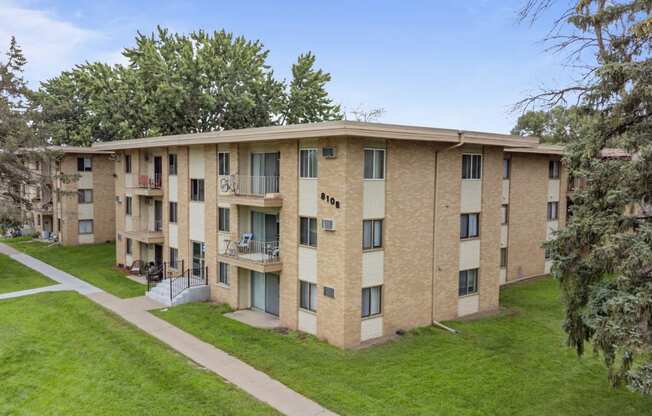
(135, 311)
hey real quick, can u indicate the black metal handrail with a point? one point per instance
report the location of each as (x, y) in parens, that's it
(185, 281)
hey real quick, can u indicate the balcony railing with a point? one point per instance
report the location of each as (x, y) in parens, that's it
(264, 252)
(249, 185)
(149, 182)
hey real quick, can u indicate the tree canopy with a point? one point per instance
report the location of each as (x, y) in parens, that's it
(603, 257)
(559, 124)
(177, 83)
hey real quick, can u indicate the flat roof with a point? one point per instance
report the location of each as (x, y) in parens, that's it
(324, 129)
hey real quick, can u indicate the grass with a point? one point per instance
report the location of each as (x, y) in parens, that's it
(94, 263)
(512, 364)
(14, 276)
(62, 354)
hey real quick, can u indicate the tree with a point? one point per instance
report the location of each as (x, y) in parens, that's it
(603, 258)
(181, 84)
(308, 101)
(556, 125)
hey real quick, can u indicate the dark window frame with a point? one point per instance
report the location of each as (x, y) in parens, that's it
(372, 243)
(173, 166)
(377, 164)
(129, 248)
(127, 163)
(174, 257)
(367, 292)
(223, 219)
(197, 190)
(129, 205)
(310, 232)
(465, 226)
(309, 289)
(554, 169)
(503, 257)
(85, 221)
(308, 165)
(507, 168)
(463, 282)
(223, 273)
(223, 163)
(471, 166)
(81, 196)
(554, 211)
(81, 164)
(173, 212)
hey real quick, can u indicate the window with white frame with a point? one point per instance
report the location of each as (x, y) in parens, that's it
(172, 164)
(223, 221)
(374, 163)
(372, 234)
(308, 163)
(173, 212)
(223, 163)
(553, 211)
(471, 166)
(503, 257)
(504, 214)
(128, 205)
(371, 301)
(308, 296)
(84, 164)
(85, 196)
(174, 257)
(468, 282)
(197, 190)
(469, 226)
(85, 226)
(308, 231)
(553, 169)
(223, 273)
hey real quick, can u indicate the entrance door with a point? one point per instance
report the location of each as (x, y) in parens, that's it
(158, 170)
(265, 292)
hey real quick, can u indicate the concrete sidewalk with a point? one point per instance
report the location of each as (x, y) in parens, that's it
(135, 311)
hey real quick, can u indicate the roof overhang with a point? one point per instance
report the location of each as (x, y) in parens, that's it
(541, 149)
(321, 130)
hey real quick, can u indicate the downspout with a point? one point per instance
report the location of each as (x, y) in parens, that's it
(460, 136)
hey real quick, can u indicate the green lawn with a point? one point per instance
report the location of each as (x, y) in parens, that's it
(512, 364)
(94, 263)
(14, 276)
(60, 354)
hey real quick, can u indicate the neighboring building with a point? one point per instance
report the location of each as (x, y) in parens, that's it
(346, 230)
(79, 210)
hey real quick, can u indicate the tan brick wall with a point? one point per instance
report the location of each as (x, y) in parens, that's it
(409, 203)
(68, 198)
(489, 277)
(103, 198)
(528, 197)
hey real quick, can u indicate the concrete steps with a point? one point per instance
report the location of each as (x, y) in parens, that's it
(161, 293)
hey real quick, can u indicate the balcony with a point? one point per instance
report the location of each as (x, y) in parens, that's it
(260, 256)
(148, 185)
(258, 191)
(147, 233)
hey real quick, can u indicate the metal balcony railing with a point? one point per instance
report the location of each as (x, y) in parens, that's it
(265, 252)
(249, 185)
(149, 182)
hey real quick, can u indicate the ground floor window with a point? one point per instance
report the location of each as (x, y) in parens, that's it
(85, 226)
(129, 244)
(174, 257)
(223, 273)
(198, 250)
(372, 234)
(468, 282)
(308, 296)
(503, 257)
(371, 301)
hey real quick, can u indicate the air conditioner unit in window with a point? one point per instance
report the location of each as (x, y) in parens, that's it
(329, 152)
(328, 225)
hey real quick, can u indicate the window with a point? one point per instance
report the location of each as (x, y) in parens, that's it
(172, 164)
(468, 282)
(308, 231)
(128, 206)
(223, 273)
(38, 220)
(471, 166)
(174, 258)
(173, 212)
(196, 189)
(84, 164)
(553, 208)
(469, 225)
(546, 253)
(506, 168)
(37, 165)
(504, 214)
(198, 250)
(223, 223)
(85, 226)
(85, 196)
(372, 234)
(129, 244)
(308, 163)
(371, 301)
(553, 169)
(503, 257)
(127, 163)
(374, 163)
(308, 296)
(223, 163)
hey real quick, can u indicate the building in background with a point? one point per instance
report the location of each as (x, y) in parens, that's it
(349, 231)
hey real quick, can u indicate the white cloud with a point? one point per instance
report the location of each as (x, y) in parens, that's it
(49, 44)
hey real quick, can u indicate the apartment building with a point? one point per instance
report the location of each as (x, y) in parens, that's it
(349, 231)
(76, 199)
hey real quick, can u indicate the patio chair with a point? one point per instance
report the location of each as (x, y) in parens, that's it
(245, 241)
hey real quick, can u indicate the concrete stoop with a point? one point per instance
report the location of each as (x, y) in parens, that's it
(161, 294)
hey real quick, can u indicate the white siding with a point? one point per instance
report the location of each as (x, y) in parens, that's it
(172, 188)
(505, 192)
(308, 197)
(196, 221)
(551, 228)
(471, 199)
(308, 322)
(173, 235)
(308, 264)
(373, 199)
(503, 276)
(469, 254)
(196, 162)
(553, 190)
(468, 304)
(86, 239)
(373, 268)
(504, 232)
(85, 211)
(547, 266)
(85, 180)
(371, 328)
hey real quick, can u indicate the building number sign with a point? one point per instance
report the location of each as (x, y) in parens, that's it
(330, 200)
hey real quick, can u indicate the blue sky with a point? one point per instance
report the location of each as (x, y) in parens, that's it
(453, 64)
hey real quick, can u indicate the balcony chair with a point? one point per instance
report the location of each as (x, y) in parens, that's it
(245, 241)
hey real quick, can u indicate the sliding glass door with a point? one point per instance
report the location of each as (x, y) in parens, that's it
(265, 169)
(265, 292)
